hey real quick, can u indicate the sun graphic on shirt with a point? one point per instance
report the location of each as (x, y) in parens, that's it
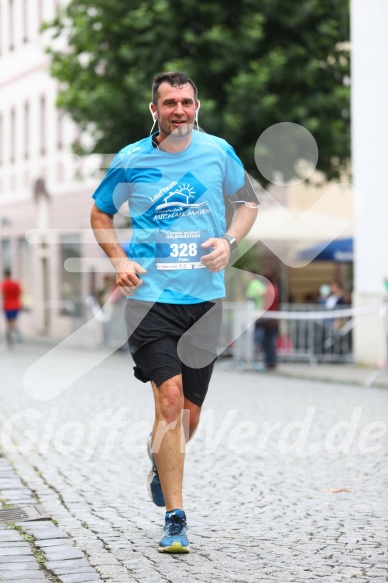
(185, 190)
(181, 195)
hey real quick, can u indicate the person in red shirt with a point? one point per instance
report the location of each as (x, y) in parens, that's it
(11, 292)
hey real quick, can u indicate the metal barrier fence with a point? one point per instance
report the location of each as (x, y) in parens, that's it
(302, 336)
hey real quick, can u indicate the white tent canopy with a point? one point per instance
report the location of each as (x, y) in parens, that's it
(278, 223)
(285, 233)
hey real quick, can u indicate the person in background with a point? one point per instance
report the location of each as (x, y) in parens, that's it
(102, 296)
(333, 325)
(11, 293)
(347, 297)
(336, 297)
(271, 326)
(255, 291)
(310, 298)
(324, 292)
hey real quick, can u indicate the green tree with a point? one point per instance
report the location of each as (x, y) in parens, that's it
(255, 63)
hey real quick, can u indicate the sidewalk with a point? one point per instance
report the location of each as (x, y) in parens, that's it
(32, 547)
(327, 372)
(335, 373)
(349, 374)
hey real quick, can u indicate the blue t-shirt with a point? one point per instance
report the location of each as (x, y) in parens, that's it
(176, 203)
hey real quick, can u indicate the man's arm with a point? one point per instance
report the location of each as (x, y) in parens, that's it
(127, 271)
(242, 222)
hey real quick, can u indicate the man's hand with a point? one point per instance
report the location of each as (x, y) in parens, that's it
(219, 257)
(127, 278)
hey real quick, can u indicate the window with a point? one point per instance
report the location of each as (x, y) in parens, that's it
(25, 21)
(26, 130)
(40, 14)
(1, 139)
(1, 29)
(43, 125)
(60, 175)
(24, 262)
(59, 130)
(11, 24)
(70, 284)
(13, 136)
(6, 260)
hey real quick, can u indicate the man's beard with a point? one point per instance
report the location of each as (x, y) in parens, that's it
(181, 131)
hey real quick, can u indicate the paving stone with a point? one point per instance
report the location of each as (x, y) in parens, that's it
(10, 485)
(21, 543)
(13, 575)
(17, 559)
(45, 535)
(38, 524)
(53, 565)
(43, 544)
(24, 580)
(64, 552)
(79, 578)
(106, 570)
(74, 570)
(10, 536)
(26, 564)
(10, 551)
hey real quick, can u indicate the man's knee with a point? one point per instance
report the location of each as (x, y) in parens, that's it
(169, 400)
(190, 418)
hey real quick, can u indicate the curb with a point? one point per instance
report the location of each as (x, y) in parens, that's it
(32, 547)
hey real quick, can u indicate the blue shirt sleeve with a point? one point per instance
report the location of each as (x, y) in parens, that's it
(233, 171)
(113, 191)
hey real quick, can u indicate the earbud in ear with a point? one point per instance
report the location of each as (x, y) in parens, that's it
(154, 116)
(196, 114)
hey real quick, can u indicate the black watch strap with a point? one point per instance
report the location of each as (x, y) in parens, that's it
(232, 242)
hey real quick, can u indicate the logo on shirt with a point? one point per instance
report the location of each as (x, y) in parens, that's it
(184, 196)
(181, 199)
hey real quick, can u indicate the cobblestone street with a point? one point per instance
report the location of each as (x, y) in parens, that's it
(285, 480)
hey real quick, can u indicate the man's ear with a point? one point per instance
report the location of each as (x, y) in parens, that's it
(152, 109)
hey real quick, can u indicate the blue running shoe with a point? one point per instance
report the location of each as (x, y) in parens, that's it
(153, 482)
(174, 538)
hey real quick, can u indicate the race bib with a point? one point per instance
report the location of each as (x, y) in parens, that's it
(180, 249)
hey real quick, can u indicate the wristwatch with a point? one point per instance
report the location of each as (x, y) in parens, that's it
(232, 242)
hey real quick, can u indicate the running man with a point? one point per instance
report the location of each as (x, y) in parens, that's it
(174, 183)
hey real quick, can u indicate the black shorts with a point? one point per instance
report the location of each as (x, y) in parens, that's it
(166, 340)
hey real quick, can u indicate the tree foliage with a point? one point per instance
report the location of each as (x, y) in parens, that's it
(255, 64)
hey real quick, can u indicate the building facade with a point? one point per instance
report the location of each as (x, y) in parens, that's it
(369, 137)
(45, 190)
